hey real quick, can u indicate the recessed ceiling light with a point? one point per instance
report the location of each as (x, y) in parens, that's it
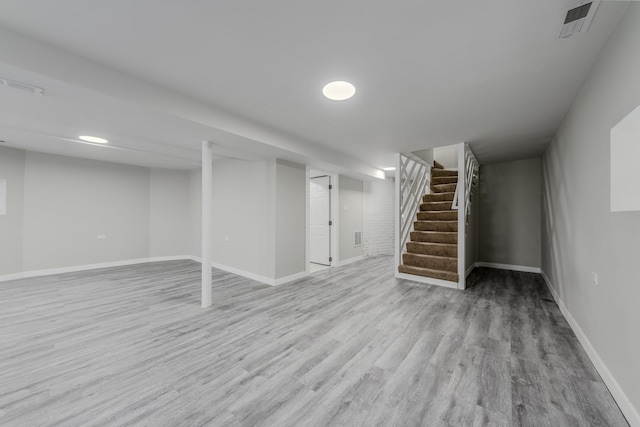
(94, 139)
(339, 90)
(389, 169)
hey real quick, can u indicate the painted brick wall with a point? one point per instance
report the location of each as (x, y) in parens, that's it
(378, 232)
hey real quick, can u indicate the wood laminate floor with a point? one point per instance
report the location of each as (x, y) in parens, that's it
(346, 346)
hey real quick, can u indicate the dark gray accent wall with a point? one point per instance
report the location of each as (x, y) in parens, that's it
(510, 213)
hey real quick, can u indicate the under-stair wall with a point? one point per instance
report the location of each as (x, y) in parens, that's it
(471, 233)
(510, 205)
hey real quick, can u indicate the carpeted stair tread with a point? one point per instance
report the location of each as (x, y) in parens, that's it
(437, 197)
(433, 247)
(437, 165)
(436, 180)
(451, 215)
(435, 225)
(442, 275)
(443, 172)
(443, 188)
(431, 262)
(435, 206)
(434, 237)
(438, 249)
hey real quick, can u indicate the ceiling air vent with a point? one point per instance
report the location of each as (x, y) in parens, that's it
(578, 18)
(21, 86)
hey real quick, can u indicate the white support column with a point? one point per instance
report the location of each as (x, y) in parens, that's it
(398, 213)
(207, 210)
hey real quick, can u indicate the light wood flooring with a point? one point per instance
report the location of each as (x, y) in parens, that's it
(347, 346)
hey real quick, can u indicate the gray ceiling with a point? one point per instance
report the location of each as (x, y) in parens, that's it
(159, 76)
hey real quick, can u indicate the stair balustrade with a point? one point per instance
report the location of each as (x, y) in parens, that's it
(471, 170)
(413, 180)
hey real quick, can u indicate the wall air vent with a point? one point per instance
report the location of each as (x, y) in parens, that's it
(358, 238)
(578, 18)
(21, 86)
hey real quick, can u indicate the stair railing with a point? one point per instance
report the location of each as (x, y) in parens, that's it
(413, 180)
(471, 169)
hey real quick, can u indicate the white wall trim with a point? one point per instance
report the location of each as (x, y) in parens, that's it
(350, 260)
(249, 275)
(513, 267)
(307, 213)
(462, 221)
(257, 277)
(74, 268)
(627, 408)
(290, 278)
(427, 280)
(13, 276)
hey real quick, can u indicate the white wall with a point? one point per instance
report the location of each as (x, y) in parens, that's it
(426, 155)
(68, 202)
(259, 217)
(509, 213)
(290, 219)
(59, 205)
(350, 216)
(447, 156)
(12, 169)
(580, 234)
(195, 213)
(379, 220)
(169, 216)
(242, 217)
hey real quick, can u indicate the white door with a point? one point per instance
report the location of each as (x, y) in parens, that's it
(319, 217)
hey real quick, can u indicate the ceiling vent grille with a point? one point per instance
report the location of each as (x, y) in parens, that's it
(21, 86)
(578, 18)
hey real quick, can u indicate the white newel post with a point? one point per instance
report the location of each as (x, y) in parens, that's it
(207, 209)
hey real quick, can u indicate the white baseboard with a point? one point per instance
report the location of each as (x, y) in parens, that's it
(290, 278)
(627, 408)
(266, 280)
(13, 276)
(513, 267)
(75, 268)
(257, 277)
(350, 260)
(428, 280)
(249, 275)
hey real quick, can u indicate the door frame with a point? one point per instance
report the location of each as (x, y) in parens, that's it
(334, 201)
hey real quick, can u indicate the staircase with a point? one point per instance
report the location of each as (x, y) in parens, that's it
(433, 249)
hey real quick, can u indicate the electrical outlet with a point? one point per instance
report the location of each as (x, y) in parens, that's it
(594, 278)
(102, 236)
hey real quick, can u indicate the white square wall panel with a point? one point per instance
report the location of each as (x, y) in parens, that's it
(625, 169)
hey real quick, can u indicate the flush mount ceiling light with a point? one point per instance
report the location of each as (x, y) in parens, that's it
(339, 90)
(94, 139)
(391, 168)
